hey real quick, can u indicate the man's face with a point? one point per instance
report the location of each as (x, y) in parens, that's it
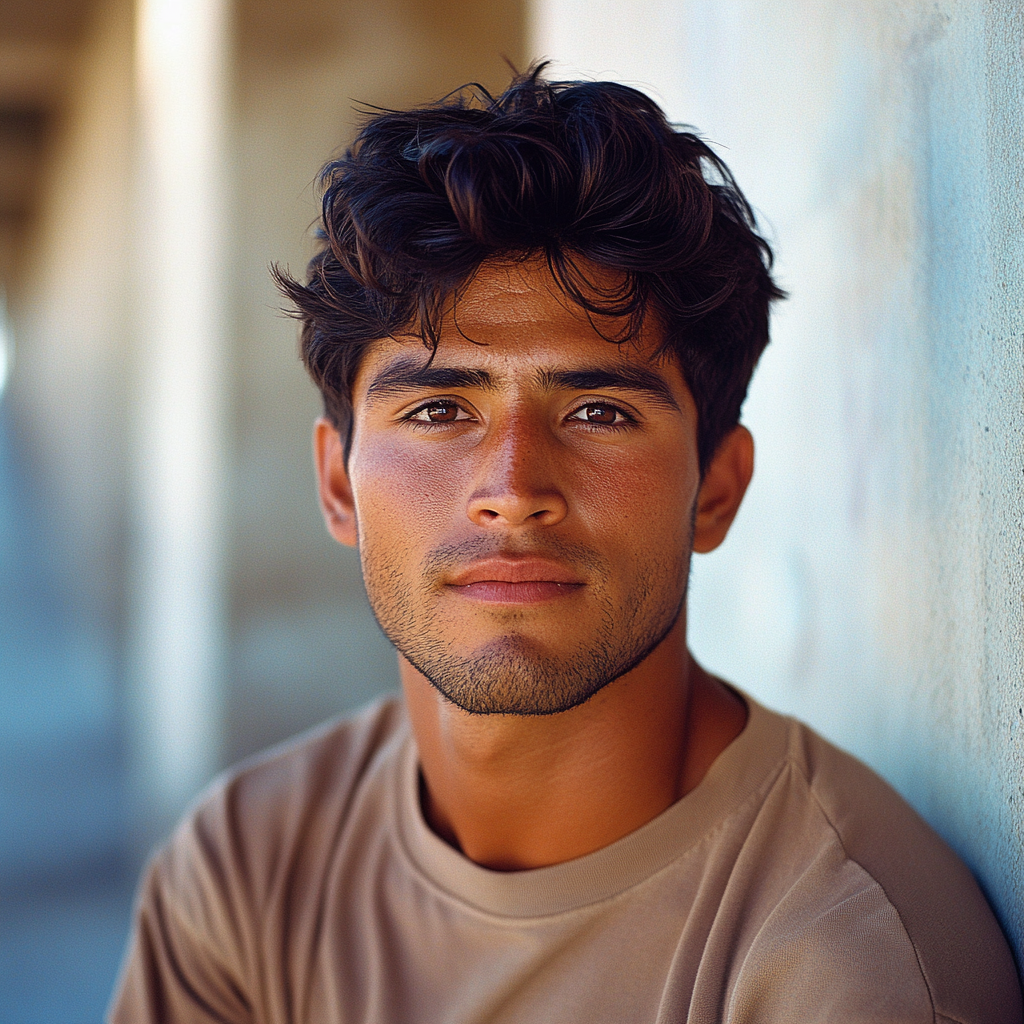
(524, 502)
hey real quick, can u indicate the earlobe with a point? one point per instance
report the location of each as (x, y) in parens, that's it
(722, 489)
(336, 499)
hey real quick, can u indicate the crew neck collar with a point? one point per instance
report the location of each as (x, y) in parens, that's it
(744, 768)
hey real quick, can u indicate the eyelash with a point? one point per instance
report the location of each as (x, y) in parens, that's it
(627, 419)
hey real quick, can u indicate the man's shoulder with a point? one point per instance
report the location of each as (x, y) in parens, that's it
(252, 819)
(895, 862)
(333, 756)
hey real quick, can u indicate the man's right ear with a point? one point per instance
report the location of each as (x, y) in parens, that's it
(336, 501)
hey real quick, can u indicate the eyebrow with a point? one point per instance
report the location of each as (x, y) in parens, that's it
(622, 378)
(411, 374)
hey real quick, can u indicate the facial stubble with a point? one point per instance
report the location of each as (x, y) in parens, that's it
(513, 673)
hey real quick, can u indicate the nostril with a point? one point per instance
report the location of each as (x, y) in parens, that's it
(517, 506)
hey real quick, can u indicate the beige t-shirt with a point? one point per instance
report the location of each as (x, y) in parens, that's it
(791, 885)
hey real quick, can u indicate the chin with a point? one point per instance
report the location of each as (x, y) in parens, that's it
(513, 675)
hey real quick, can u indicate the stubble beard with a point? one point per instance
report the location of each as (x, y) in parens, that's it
(513, 674)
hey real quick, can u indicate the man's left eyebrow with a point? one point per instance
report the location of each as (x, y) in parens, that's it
(621, 378)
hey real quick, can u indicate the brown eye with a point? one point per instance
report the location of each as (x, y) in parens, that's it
(439, 412)
(600, 414)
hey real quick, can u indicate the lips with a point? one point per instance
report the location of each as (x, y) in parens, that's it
(514, 570)
(515, 580)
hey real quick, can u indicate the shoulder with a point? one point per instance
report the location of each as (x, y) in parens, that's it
(250, 855)
(324, 766)
(901, 900)
(275, 818)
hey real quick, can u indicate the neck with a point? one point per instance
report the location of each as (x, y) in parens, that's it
(515, 792)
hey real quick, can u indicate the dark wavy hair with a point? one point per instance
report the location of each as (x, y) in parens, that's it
(580, 173)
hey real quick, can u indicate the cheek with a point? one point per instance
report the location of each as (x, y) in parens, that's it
(635, 500)
(641, 494)
(398, 496)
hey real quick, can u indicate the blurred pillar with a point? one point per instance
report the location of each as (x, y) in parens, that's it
(182, 56)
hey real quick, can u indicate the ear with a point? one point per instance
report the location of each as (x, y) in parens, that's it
(336, 501)
(722, 489)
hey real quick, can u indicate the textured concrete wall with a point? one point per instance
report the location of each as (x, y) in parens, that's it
(873, 583)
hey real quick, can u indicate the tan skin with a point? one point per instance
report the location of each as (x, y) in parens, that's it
(519, 461)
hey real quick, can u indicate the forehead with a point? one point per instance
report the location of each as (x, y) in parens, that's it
(507, 293)
(513, 319)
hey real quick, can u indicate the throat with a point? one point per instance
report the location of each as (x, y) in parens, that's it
(514, 792)
(519, 792)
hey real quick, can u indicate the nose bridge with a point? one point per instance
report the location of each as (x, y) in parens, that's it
(517, 477)
(517, 447)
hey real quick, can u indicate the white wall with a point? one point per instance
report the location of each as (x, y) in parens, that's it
(872, 583)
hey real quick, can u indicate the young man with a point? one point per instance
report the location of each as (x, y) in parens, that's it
(533, 321)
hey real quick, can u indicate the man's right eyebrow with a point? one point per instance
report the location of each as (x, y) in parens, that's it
(413, 375)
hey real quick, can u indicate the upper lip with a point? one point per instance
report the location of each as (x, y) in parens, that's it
(514, 570)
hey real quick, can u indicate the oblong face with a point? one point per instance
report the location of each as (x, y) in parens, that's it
(524, 499)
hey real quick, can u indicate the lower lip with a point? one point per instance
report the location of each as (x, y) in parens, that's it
(503, 592)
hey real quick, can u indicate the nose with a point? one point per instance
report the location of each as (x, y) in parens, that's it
(516, 481)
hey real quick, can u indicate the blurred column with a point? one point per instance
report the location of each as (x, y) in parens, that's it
(182, 65)
(6, 344)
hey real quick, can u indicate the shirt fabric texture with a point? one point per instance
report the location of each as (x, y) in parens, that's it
(792, 884)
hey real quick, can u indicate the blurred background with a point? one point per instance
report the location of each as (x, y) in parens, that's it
(169, 600)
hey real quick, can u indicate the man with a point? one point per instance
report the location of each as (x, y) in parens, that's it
(533, 321)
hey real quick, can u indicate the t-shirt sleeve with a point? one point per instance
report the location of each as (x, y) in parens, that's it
(186, 961)
(848, 963)
(229, 910)
(838, 942)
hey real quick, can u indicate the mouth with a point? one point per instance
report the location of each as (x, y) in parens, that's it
(499, 580)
